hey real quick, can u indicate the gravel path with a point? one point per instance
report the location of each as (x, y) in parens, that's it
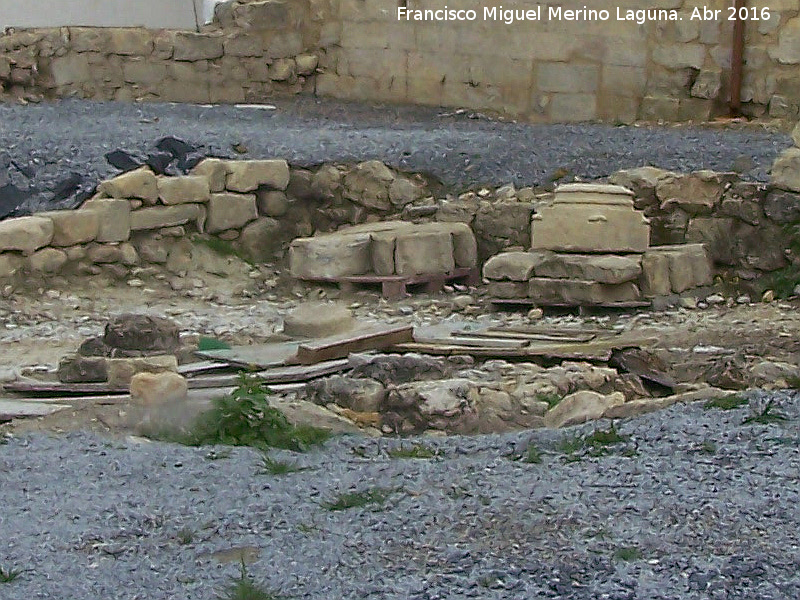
(695, 504)
(50, 141)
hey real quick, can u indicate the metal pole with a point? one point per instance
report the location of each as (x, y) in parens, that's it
(737, 60)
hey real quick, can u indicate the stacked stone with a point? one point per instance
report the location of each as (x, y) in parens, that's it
(590, 247)
(388, 248)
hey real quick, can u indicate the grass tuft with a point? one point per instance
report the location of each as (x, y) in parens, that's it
(245, 588)
(627, 553)
(552, 399)
(270, 466)
(727, 402)
(185, 536)
(769, 414)
(416, 451)
(793, 381)
(376, 497)
(245, 418)
(601, 442)
(8, 575)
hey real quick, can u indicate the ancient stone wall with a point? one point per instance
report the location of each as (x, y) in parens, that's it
(260, 52)
(551, 70)
(255, 208)
(558, 70)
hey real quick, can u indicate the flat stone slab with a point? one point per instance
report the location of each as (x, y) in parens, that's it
(602, 268)
(590, 227)
(593, 193)
(17, 409)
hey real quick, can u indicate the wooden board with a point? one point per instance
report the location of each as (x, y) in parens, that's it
(257, 356)
(339, 346)
(511, 335)
(47, 388)
(300, 373)
(203, 367)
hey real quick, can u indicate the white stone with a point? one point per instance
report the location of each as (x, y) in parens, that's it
(26, 234)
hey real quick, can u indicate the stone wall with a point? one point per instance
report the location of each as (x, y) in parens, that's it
(549, 71)
(255, 208)
(556, 70)
(260, 52)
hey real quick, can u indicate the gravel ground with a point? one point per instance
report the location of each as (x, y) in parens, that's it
(49, 141)
(695, 504)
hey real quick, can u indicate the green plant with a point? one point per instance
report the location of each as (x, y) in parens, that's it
(708, 447)
(347, 500)
(415, 451)
(552, 399)
(270, 466)
(767, 415)
(245, 418)
(727, 402)
(218, 455)
(598, 443)
(627, 553)
(793, 381)
(532, 454)
(185, 536)
(7, 575)
(244, 588)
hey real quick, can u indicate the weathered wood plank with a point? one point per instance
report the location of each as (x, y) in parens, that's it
(372, 338)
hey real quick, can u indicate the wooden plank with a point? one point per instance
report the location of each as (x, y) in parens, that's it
(292, 374)
(553, 331)
(256, 356)
(199, 368)
(48, 388)
(339, 346)
(499, 334)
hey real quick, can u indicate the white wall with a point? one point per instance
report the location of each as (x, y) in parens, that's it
(156, 14)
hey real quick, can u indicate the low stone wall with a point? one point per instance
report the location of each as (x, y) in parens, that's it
(260, 53)
(255, 208)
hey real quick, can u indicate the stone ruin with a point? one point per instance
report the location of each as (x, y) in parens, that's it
(591, 247)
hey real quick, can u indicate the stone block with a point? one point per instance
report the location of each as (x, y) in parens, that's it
(680, 56)
(248, 175)
(573, 108)
(697, 193)
(243, 45)
(716, 234)
(689, 266)
(157, 217)
(152, 389)
(788, 49)
(122, 370)
(782, 207)
(26, 234)
(215, 170)
(114, 216)
(602, 268)
(130, 41)
(143, 71)
(577, 292)
(318, 319)
(230, 211)
(192, 47)
(796, 135)
(567, 78)
(47, 260)
(580, 407)
(140, 183)
(786, 170)
(306, 63)
(513, 266)
(72, 227)
(590, 218)
(272, 203)
(262, 239)
(10, 264)
(182, 190)
(70, 69)
(424, 252)
(508, 290)
(465, 246)
(330, 255)
(655, 275)
(74, 368)
(383, 247)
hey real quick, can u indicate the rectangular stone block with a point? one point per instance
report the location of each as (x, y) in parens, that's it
(567, 78)
(465, 246)
(330, 256)
(573, 108)
(655, 275)
(230, 211)
(508, 290)
(114, 218)
(424, 252)
(189, 189)
(590, 228)
(72, 227)
(513, 266)
(383, 245)
(121, 370)
(576, 292)
(26, 234)
(689, 266)
(602, 268)
(157, 217)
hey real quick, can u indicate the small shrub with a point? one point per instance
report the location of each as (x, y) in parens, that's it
(552, 399)
(244, 588)
(270, 466)
(627, 553)
(708, 447)
(185, 536)
(416, 451)
(7, 575)
(596, 444)
(532, 455)
(245, 418)
(727, 402)
(793, 382)
(347, 500)
(769, 414)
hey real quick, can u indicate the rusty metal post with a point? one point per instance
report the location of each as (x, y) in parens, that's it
(737, 60)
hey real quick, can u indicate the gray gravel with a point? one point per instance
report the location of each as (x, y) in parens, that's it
(705, 507)
(51, 140)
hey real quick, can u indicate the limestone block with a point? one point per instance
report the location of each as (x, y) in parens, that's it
(215, 170)
(576, 292)
(157, 217)
(140, 183)
(424, 252)
(383, 247)
(26, 234)
(590, 218)
(697, 193)
(122, 370)
(72, 227)
(318, 319)
(330, 256)
(74, 368)
(150, 389)
(272, 203)
(788, 49)
(248, 175)
(689, 266)
(508, 290)
(130, 41)
(306, 63)
(47, 260)
(403, 191)
(262, 239)
(513, 266)
(114, 216)
(581, 407)
(192, 47)
(655, 275)
(368, 184)
(786, 170)
(230, 211)
(243, 45)
(71, 68)
(282, 69)
(716, 234)
(182, 190)
(603, 268)
(9, 264)
(465, 246)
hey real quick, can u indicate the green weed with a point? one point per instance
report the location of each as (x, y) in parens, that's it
(244, 588)
(376, 497)
(627, 553)
(768, 414)
(415, 451)
(270, 466)
(185, 536)
(7, 574)
(551, 399)
(727, 402)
